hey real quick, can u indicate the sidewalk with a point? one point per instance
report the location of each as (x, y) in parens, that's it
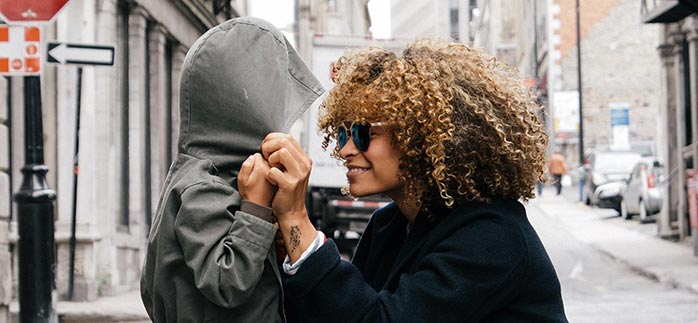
(123, 308)
(629, 242)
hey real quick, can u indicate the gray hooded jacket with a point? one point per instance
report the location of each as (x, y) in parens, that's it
(207, 260)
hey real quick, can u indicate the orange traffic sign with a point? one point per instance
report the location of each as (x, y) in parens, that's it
(19, 54)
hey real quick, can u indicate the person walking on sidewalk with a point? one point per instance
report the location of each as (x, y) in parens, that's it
(454, 139)
(558, 169)
(210, 255)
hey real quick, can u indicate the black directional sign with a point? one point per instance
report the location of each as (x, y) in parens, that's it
(64, 53)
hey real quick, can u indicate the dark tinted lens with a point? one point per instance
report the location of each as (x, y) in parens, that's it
(341, 136)
(361, 134)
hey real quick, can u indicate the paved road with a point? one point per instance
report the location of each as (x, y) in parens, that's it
(597, 288)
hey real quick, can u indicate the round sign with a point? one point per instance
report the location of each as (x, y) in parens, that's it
(31, 49)
(16, 64)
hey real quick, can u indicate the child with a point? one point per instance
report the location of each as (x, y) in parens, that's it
(210, 254)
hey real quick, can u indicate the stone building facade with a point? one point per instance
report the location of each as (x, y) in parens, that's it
(128, 135)
(431, 18)
(678, 54)
(619, 66)
(330, 17)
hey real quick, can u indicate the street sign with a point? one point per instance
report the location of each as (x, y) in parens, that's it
(620, 125)
(620, 114)
(30, 11)
(19, 50)
(64, 53)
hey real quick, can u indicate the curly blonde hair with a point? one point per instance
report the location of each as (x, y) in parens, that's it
(467, 126)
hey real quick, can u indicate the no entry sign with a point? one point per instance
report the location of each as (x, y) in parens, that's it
(30, 11)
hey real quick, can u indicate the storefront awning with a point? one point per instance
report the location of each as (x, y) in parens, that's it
(671, 11)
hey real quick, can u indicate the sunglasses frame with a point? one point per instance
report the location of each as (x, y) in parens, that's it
(350, 133)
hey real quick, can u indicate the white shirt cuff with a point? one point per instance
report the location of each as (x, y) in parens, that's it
(290, 269)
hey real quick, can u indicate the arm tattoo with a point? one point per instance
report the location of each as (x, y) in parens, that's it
(295, 238)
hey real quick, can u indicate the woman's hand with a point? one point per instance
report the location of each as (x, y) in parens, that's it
(290, 171)
(252, 183)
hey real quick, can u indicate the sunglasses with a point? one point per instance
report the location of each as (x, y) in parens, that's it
(360, 133)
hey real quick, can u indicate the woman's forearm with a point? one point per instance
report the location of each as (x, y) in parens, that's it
(298, 233)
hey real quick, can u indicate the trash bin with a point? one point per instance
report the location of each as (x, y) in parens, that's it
(692, 186)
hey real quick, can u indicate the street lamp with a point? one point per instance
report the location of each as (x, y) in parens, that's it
(579, 89)
(37, 265)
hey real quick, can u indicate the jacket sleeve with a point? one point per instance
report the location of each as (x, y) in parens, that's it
(463, 279)
(224, 252)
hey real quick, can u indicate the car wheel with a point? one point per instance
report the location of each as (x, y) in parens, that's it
(617, 208)
(643, 211)
(624, 211)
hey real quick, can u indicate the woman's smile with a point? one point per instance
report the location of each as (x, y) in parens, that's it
(353, 172)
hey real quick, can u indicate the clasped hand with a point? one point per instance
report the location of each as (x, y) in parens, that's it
(279, 178)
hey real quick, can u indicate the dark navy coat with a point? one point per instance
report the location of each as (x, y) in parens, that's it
(479, 262)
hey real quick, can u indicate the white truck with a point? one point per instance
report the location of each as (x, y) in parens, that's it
(339, 217)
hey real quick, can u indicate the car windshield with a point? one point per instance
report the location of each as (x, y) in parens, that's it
(644, 150)
(616, 162)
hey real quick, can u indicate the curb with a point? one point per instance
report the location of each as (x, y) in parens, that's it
(662, 279)
(659, 276)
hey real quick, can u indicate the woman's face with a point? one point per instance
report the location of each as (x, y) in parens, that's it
(375, 170)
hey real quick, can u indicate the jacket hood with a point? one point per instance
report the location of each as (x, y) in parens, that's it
(240, 81)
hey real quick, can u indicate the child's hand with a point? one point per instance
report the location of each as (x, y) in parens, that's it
(252, 184)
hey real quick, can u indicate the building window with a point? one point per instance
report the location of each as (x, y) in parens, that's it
(687, 93)
(147, 129)
(169, 47)
(123, 43)
(453, 6)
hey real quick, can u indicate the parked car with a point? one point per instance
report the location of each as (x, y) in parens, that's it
(609, 195)
(643, 193)
(645, 148)
(606, 166)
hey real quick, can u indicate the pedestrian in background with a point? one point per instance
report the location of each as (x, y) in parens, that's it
(210, 255)
(453, 137)
(557, 168)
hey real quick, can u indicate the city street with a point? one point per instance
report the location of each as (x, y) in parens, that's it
(597, 286)
(97, 100)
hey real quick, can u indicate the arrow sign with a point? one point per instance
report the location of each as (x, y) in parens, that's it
(64, 53)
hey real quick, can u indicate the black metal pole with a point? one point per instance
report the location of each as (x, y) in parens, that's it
(73, 220)
(37, 266)
(535, 43)
(581, 115)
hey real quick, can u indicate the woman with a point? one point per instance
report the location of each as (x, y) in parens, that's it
(454, 139)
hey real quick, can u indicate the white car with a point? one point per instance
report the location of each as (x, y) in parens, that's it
(609, 196)
(643, 190)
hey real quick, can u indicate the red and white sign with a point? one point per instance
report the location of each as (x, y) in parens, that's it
(19, 50)
(30, 11)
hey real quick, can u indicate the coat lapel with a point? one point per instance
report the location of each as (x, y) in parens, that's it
(379, 245)
(414, 242)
